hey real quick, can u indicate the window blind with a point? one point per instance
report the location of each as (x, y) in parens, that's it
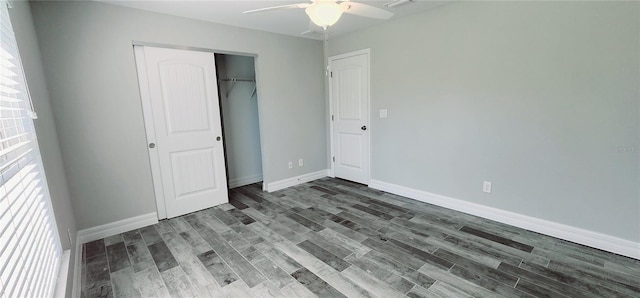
(30, 250)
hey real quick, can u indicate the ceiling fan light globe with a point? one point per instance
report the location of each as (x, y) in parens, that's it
(324, 14)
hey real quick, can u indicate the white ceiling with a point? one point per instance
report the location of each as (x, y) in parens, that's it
(285, 21)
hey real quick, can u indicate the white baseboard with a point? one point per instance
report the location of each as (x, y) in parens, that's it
(237, 182)
(293, 181)
(106, 230)
(562, 231)
(117, 227)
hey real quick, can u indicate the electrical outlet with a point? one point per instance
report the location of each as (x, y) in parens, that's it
(486, 186)
(383, 113)
(290, 164)
(300, 162)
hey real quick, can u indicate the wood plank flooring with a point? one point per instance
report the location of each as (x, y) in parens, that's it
(334, 238)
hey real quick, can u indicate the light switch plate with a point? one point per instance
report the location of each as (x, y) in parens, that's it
(383, 113)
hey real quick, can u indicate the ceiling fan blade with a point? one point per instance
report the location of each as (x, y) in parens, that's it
(365, 10)
(299, 5)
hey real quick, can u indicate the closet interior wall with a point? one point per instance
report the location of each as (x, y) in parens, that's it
(239, 104)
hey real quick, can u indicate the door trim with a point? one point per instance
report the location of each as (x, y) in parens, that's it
(154, 158)
(137, 43)
(366, 51)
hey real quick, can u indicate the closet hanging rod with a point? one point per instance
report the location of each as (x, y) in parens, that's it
(234, 80)
(238, 80)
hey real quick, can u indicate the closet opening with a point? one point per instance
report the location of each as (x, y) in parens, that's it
(240, 124)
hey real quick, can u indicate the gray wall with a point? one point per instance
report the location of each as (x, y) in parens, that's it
(541, 98)
(240, 117)
(89, 65)
(22, 23)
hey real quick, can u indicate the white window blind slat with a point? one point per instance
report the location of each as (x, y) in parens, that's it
(28, 216)
(13, 116)
(9, 260)
(9, 109)
(6, 63)
(5, 167)
(5, 233)
(9, 244)
(22, 277)
(36, 265)
(6, 202)
(8, 90)
(32, 263)
(7, 99)
(17, 204)
(19, 265)
(45, 273)
(14, 147)
(20, 210)
(7, 81)
(6, 73)
(12, 276)
(14, 137)
(31, 215)
(38, 232)
(30, 250)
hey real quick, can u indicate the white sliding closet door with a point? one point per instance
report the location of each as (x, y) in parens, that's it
(182, 114)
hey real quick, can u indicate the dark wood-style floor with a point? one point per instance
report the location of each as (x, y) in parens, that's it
(333, 238)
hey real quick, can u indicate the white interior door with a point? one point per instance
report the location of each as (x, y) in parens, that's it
(349, 86)
(182, 115)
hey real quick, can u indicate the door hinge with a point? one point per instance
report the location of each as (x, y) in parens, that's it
(331, 73)
(331, 117)
(334, 159)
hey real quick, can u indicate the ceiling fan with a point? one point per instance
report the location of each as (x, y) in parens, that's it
(325, 13)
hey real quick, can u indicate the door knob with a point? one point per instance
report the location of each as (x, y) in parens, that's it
(152, 145)
(218, 138)
(364, 127)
